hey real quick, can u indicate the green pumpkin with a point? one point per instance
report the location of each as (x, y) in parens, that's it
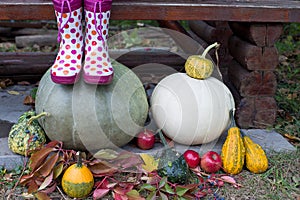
(24, 136)
(92, 117)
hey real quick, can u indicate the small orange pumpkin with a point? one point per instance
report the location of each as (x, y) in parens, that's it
(78, 180)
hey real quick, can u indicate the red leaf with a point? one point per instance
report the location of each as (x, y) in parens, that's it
(99, 193)
(47, 181)
(228, 179)
(119, 196)
(69, 155)
(25, 179)
(32, 187)
(51, 188)
(123, 190)
(102, 184)
(45, 169)
(129, 162)
(133, 161)
(39, 157)
(102, 168)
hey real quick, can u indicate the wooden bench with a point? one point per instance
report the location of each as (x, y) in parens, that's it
(247, 30)
(219, 10)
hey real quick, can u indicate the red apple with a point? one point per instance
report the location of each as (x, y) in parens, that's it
(146, 139)
(211, 162)
(192, 158)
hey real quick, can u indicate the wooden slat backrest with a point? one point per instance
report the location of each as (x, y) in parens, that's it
(222, 10)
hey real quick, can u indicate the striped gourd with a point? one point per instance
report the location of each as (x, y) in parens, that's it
(256, 159)
(233, 150)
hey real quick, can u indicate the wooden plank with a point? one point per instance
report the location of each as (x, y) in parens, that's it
(33, 31)
(25, 63)
(265, 112)
(256, 112)
(252, 83)
(224, 34)
(253, 57)
(248, 55)
(244, 113)
(35, 64)
(264, 118)
(204, 31)
(32, 78)
(260, 34)
(274, 31)
(270, 58)
(5, 31)
(27, 24)
(40, 40)
(253, 32)
(252, 11)
(236, 73)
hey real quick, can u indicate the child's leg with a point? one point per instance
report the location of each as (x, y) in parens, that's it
(67, 65)
(97, 65)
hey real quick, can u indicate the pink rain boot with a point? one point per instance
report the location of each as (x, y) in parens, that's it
(97, 66)
(67, 65)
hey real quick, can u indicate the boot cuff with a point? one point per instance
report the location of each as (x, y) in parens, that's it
(74, 4)
(105, 5)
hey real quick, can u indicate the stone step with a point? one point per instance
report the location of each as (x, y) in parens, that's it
(270, 141)
(11, 107)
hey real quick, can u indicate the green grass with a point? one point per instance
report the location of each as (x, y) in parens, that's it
(288, 76)
(280, 181)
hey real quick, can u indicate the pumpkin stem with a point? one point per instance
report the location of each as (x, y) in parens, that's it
(163, 139)
(231, 115)
(79, 161)
(233, 124)
(209, 48)
(37, 116)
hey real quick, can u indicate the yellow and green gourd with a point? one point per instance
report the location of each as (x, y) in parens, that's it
(78, 180)
(26, 135)
(199, 67)
(233, 150)
(256, 159)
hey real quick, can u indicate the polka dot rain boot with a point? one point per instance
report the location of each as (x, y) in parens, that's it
(67, 66)
(97, 66)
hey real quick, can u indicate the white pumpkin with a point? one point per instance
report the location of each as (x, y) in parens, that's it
(191, 111)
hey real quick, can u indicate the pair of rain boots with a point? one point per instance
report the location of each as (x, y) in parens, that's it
(82, 39)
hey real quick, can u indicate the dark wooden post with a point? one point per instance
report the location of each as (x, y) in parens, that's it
(251, 72)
